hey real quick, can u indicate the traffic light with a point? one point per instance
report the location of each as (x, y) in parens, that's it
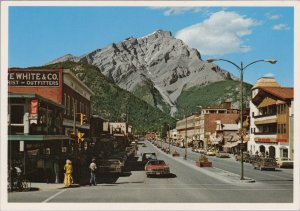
(82, 119)
(80, 136)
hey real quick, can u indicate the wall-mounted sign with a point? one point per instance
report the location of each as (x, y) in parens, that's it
(33, 78)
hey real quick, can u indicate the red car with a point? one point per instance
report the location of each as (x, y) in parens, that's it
(156, 167)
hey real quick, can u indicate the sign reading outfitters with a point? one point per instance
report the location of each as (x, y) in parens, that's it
(33, 78)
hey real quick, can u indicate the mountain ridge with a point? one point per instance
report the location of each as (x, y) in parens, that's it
(168, 63)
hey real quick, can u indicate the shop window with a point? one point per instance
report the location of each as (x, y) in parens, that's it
(285, 153)
(17, 114)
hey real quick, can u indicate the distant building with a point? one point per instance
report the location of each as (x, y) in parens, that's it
(186, 129)
(209, 118)
(272, 111)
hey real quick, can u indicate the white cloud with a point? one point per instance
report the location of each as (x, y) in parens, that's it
(281, 26)
(220, 34)
(270, 75)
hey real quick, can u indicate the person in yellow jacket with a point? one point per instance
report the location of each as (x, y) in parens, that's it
(68, 173)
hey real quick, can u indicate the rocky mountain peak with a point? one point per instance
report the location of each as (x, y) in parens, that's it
(166, 62)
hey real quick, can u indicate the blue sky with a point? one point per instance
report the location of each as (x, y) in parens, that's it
(38, 35)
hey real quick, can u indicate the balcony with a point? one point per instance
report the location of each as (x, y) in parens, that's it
(265, 133)
(263, 115)
(266, 120)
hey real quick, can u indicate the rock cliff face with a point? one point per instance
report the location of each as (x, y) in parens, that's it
(158, 60)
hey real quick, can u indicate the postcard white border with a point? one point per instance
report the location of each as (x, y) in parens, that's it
(144, 206)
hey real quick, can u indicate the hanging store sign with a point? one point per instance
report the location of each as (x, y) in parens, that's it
(34, 107)
(33, 78)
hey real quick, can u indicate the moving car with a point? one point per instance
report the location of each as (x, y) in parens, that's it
(264, 163)
(284, 162)
(156, 167)
(148, 156)
(222, 154)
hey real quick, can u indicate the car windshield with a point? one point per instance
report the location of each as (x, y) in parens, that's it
(151, 156)
(157, 162)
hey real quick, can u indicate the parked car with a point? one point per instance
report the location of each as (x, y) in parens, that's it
(251, 158)
(246, 157)
(148, 156)
(111, 166)
(264, 163)
(284, 162)
(202, 151)
(156, 167)
(222, 154)
(210, 153)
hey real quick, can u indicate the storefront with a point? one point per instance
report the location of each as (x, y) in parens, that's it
(35, 135)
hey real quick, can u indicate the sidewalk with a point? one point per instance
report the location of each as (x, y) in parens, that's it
(35, 186)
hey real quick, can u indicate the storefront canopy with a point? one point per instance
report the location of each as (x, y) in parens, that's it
(37, 137)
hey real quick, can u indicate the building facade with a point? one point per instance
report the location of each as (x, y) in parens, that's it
(45, 107)
(272, 112)
(210, 117)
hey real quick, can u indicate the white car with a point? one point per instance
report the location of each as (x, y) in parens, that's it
(210, 153)
(284, 162)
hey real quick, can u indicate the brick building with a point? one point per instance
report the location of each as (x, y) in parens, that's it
(62, 87)
(42, 106)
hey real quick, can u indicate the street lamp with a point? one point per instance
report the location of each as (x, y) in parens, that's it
(169, 139)
(185, 144)
(200, 107)
(241, 68)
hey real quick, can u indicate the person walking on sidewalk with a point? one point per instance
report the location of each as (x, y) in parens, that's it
(68, 173)
(93, 168)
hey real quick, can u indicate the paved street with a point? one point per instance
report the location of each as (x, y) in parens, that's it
(187, 183)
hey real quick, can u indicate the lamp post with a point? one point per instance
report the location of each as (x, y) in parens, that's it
(185, 144)
(241, 68)
(169, 139)
(200, 107)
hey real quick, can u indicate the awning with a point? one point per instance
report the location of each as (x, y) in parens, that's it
(267, 121)
(37, 137)
(217, 140)
(231, 144)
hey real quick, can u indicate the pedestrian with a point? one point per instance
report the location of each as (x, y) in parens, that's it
(68, 180)
(93, 168)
